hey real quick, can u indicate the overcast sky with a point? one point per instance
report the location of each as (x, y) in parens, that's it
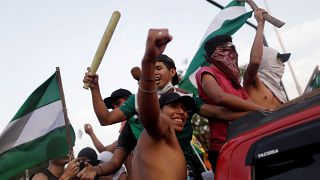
(38, 35)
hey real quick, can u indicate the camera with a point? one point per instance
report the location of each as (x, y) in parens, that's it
(81, 165)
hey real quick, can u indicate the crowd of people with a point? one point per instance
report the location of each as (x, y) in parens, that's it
(156, 129)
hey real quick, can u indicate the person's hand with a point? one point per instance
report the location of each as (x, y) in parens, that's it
(87, 173)
(156, 42)
(88, 129)
(258, 15)
(269, 110)
(91, 78)
(71, 170)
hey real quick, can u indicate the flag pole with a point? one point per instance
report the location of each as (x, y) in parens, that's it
(202, 163)
(64, 108)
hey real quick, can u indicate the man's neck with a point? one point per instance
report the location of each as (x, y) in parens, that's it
(167, 88)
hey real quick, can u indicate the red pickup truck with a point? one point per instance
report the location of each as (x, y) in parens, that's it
(282, 145)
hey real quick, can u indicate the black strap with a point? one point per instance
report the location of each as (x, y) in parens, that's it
(47, 173)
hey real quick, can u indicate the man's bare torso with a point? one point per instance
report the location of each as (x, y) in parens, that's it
(262, 96)
(158, 158)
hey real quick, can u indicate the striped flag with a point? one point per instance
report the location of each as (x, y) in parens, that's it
(314, 82)
(37, 132)
(227, 22)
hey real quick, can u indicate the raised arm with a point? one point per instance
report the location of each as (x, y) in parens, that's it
(149, 108)
(96, 142)
(220, 98)
(251, 73)
(104, 116)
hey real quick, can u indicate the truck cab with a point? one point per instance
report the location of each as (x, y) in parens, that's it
(284, 144)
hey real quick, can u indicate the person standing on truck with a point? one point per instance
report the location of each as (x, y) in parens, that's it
(264, 73)
(219, 84)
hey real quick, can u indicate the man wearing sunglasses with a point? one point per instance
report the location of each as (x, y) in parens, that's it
(219, 84)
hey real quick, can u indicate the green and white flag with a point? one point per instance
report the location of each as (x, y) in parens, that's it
(227, 22)
(314, 82)
(37, 132)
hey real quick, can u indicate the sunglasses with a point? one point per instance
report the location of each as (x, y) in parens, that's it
(116, 103)
(228, 46)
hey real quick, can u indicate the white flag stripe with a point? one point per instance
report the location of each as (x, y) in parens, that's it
(192, 78)
(37, 126)
(226, 14)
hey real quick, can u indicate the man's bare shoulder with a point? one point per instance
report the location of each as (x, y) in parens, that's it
(40, 176)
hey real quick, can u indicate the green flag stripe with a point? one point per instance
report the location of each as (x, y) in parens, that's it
(315, 84)
(52, 145)
(234, 3)
(46, 93)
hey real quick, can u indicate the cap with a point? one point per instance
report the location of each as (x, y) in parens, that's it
(117, 94)
(169, 98)
(283, 57)
(91, 154)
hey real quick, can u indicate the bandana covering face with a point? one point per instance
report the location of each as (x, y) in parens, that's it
(271, 71)
(226, 59)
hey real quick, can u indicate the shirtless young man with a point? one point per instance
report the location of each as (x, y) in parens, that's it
(166, 78)
(158, 154)
(264, 72)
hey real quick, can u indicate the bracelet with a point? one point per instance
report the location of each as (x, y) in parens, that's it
(147, 78)
(100, 169)
(147, 91)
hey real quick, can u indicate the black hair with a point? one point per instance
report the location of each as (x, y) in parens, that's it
(211, 44)
(168, 62)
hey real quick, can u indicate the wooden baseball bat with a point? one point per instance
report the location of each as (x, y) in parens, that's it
(104, 43)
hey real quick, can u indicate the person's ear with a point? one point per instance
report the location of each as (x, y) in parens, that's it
(173, 71)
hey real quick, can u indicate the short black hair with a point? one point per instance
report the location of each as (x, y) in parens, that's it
(169, 63)
(166, 60)
(211, 44)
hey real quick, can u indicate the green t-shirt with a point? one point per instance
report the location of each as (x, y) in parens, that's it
(184, 137)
